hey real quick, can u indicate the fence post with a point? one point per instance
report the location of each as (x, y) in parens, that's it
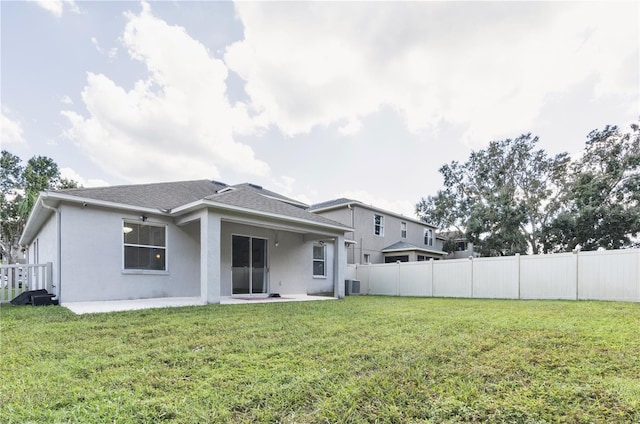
(49, 277)
(433, 274)
(577, 252)
(397, 278)
(519, 277)
(471, 260)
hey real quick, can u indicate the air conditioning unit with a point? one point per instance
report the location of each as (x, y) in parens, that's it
(352, 287)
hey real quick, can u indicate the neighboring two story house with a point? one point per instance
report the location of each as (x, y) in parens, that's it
(460, 247)
(380, 236)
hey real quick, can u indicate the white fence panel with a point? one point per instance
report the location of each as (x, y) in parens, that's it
(415, 278)
(383, 279)
(496, 278)
(19, 278)
(610, 275)
(452, 278)
(548, 276)
(351, 272)
(362, 275)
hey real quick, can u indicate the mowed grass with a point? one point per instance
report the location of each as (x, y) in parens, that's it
(362, 359)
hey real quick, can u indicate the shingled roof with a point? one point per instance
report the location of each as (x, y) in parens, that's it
(332, 203)
(162, 196)
(166, 197)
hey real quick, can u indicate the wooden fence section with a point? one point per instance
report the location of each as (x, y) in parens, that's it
(605, 275)
(19, 278)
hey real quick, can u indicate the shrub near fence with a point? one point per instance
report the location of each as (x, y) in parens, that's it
(605, 275)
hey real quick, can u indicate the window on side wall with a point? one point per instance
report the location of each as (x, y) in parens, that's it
(403, 230)
(145, 246)
(319, 260)
(428, 237)
(367, 258)
(378, 225)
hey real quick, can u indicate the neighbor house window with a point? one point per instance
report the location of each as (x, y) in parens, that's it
(367, 258)
(319, 259)
(428, 237)
(378, 225)
(145, 246)
(403, 230)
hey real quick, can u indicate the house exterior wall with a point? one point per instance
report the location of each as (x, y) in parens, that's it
(92, 250)
(92, 259)
(45, 249)
(362, 220)
(345, 216)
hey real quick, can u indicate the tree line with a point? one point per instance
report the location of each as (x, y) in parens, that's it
(515, 198)
(20, 185)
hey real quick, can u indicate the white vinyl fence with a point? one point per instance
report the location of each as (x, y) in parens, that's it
(19, 278)
(605, 275)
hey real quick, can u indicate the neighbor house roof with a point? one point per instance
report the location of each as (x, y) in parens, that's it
(403, 246)
(331, 204)
(176, 198)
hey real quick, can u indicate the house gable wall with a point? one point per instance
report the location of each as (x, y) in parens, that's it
(44, 248)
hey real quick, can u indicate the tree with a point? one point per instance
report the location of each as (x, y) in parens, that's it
(603, 204)
(20, 187)
(501, 198)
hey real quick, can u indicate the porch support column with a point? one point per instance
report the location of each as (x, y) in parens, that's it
(339, 266)
(210, 257)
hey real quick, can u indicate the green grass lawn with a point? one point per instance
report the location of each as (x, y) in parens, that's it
(363, 359)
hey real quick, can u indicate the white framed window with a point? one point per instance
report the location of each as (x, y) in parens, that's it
(378, 225)
(428, 237)
(319, 260)
(367, 258)
(144, 247)
(403, 230)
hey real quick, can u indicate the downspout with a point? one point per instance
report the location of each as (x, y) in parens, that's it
(355, 261)
(58, 248)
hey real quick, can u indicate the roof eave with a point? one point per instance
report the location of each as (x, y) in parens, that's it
(39, 213)
(181, 210)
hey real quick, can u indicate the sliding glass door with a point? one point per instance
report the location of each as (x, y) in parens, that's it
(249, 265)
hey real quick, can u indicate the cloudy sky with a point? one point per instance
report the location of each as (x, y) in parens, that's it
(313, 100)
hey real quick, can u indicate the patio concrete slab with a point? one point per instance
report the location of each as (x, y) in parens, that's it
(170, 302)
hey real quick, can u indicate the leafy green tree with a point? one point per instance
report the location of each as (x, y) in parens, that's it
(10, 185)
(603, 204)
(501, 198)
(20, 187)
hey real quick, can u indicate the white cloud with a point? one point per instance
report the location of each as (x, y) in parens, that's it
(66, 100)
(12, 133)
(487, 66)
(57, 7)
(176, 124)
(111, 53)
(71, 174)
(351, 127)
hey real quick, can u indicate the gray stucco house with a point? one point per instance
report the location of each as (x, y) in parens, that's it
(183, 239)
(380, 236)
